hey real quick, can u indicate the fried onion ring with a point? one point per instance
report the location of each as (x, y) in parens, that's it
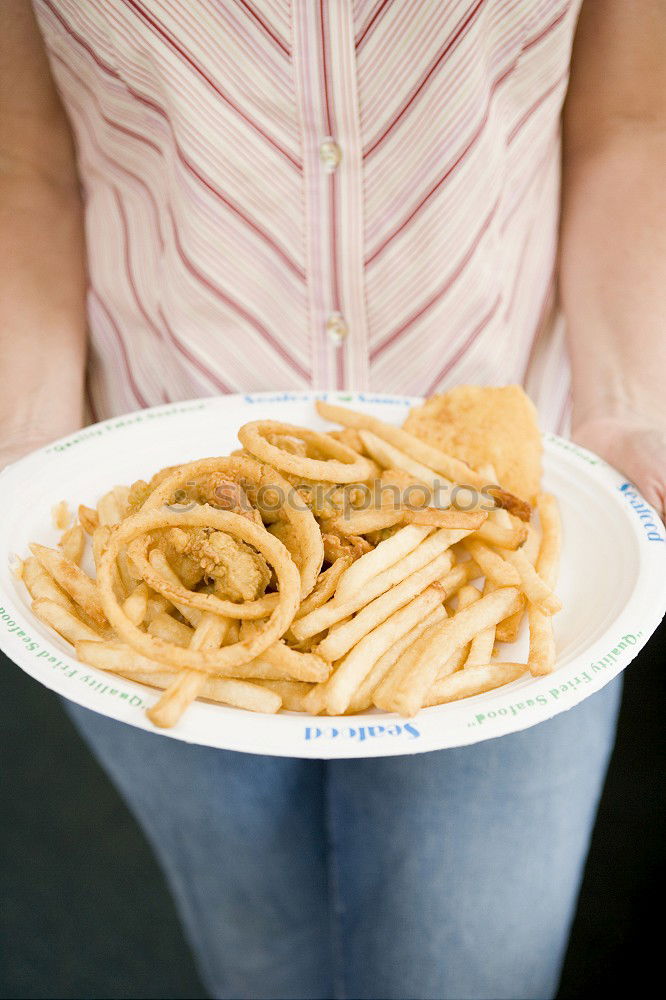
(264, 479)
(211, 661)
(345, 465)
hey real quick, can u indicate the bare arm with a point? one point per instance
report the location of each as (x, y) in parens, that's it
(613, 239)
(42, 270)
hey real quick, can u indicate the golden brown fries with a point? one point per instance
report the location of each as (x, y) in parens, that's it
(327, 584)
(88, 519)
(508, 630)
(542, 641)
(40, 583)
(72, 543)
(362, 699)
(227, 691)
(60, 516)
(401, 574)
(345, 635)
(481, 647)
(308, 572)
(71, 578)
(66, 623)
(135, 605)
(441, 641)
(475, 680)
(337, 692)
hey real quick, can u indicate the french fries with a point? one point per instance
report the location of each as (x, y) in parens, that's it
(360, 595)
(64, 622)
(291, 693)
(341, 640)
(291, 664)
(165, 626)
(181, 692)
(71, 578)
(386, 554)
(392, 577)
(467, 594)
(442, 642)
(60, 515)
(363, 522)
(40, 583)
(327, 585)
(503, 535)
(475, 680)
(481, 647)
(362, 698)
(111, 507)
(536, 590)
(136, 605)
(88, 519)
(507, 630)
(226, 691)
(542, 640)
(72, 543)
(336, 694)
(189, 684)
(494, 566)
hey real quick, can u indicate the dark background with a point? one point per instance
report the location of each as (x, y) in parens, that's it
(85, 914)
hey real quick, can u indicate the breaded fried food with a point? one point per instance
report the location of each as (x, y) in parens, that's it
(484, 424)
(237, 572)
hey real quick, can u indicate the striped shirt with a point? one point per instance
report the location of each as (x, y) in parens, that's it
(283, 194)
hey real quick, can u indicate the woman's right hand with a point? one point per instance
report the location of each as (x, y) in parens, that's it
(11, 449)
(17, 440)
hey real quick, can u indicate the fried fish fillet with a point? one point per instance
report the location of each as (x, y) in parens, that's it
(481, 424)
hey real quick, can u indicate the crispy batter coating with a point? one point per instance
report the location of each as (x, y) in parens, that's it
(218, 490)
(237, 572)
(335, 546)
(290, 538)
(291, 444)
(481, 424)
(137, 494)
(139, 490)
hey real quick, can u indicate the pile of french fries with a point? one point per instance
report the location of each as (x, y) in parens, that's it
(366, 602)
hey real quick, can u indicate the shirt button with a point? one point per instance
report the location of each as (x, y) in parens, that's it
(330, 154)
(336, 327)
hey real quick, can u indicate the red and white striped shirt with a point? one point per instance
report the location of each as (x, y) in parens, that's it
(283, 194)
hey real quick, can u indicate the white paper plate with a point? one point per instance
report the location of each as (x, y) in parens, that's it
(612, 583)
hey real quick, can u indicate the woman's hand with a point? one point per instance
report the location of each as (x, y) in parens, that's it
(636, 449)
(11, 451)
(14, 444)
(30, 421)
(613, 238)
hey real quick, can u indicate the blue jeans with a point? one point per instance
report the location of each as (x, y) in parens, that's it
(452, 874)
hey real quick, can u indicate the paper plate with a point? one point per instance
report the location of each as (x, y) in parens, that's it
(612, 583)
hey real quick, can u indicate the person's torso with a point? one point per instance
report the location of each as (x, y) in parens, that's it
(351, 194)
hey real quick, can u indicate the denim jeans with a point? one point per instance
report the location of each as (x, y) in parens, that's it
(451, 874)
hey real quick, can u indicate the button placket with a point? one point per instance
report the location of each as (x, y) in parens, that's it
(324, 60)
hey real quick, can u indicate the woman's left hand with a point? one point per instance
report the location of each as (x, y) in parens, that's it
(637, 450)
